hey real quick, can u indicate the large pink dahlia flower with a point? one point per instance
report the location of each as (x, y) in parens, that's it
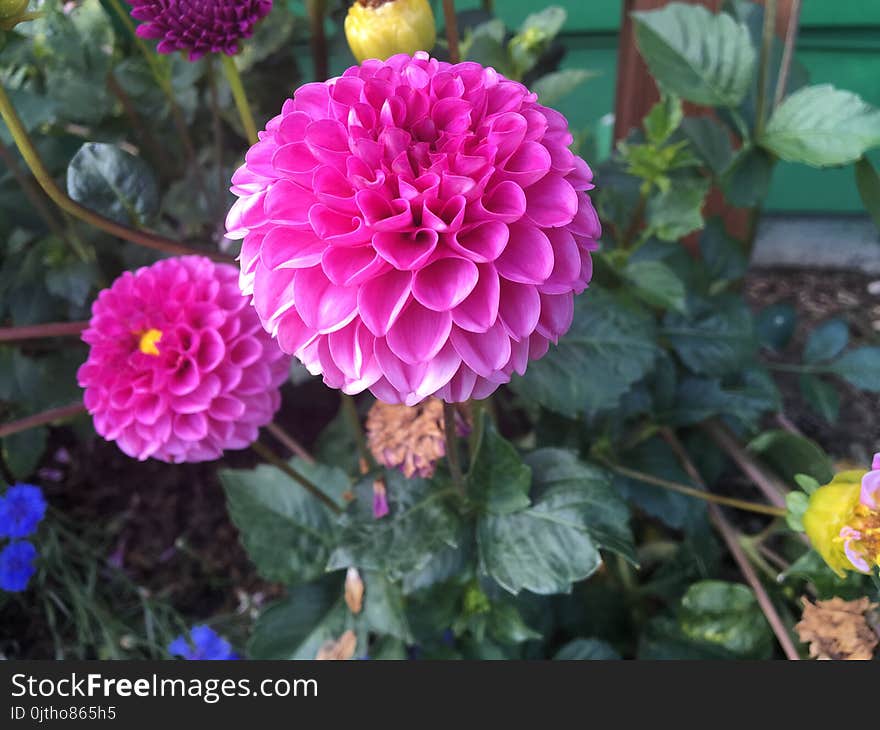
(198, 26)
(414, 227)
(179, 367)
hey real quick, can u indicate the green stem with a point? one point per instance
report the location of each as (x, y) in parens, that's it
(452, 455)
(349, 410)
(741, 504)
(305, 483)
(144, 238)
(241, 102)
(764, 66)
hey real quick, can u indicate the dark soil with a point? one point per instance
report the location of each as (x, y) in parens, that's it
(818, 296)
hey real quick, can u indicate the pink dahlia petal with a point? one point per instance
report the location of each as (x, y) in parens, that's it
(174, 353)
(870, 494)
(209, 26)
(413, 227)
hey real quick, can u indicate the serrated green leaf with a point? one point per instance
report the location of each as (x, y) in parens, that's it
(860, 367)
(556, 542)
(796, 504)
(498, 479)
(821, 396)
(104, 178)
(775, 325)
(827, 341)
(23, 451)
(611, 345)
(716, 339)
(586, 649)
(723, 256)
(746, 180)
(287, 533)
(663, 119)
(555, 85)
(419, 524)
(789, 454)
(806, 482)
(384, 610)
(674, 213)
(747, 400)
(506, 625)
(656, 284)
(822, 126)
(705, 58)
(727, 615)
(297, 626)
(710, 140)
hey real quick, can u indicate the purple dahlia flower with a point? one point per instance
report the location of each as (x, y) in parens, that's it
(198, 26)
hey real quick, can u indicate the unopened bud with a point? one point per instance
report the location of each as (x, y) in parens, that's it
(383, 28)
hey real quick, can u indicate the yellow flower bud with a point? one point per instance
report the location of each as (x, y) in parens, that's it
(383, 28)
(830, 509)
(12, 12)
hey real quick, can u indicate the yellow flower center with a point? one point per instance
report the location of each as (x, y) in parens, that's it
(867, 522)
(149, 338)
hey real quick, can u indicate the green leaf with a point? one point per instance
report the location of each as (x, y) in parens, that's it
(822, 126)
(716, 339)
(677, 211)
(827, 341)
(556, 542)
(662, 638)
(821, 396)
(663, 119)
(506, 625)
(790, 454)
(547, 23)
(498, 480)
(23, 451)
(583, 649)
(704, 58)
(656, 284)
(796, 504)
(34, 111)
(807, 483)
(747, 400)
(287, 533)
(710, 140)
(419, 524)
(609, 347)
(811, 567)
(723, 255)
(726, 615)
(868, 183)
(384, 610)
(112, 182)
(746, 180)
(860, 367)
(486, 46)
(775, 325)
(555, 85)
(297, 626)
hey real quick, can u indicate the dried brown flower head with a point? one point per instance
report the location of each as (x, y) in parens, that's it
(838, 629)
(409, 437)
(354, 590)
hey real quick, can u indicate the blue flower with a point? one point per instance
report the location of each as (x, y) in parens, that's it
(17, 565)
(202, 643)
(22, 508)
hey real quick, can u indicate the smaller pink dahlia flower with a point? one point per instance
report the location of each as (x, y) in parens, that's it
(198, 26)
(179, 367)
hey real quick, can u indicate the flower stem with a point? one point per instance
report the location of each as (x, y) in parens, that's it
(38, 331)
(764, 66)
(698, 493)
(241, 102)
(451, 23)
(349, 410)
(787, 51)
(452, 455)
(267, 454)
(144, 238)
(732, 539)
(41, 419)
(290, 442)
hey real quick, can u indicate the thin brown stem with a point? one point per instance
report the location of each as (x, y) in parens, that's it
(148, 239)
(290, 443)
(767, 34)
(791, 30)
(267, 454)
(786, 424)
(134, 118)
(41, 419)
(767, 483)
(451, 23)
(452, 455)
(320, 58)
(732, 539)
(39, 331)
(697, 493)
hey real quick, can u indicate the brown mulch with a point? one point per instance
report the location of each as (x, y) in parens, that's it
(818, 296)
